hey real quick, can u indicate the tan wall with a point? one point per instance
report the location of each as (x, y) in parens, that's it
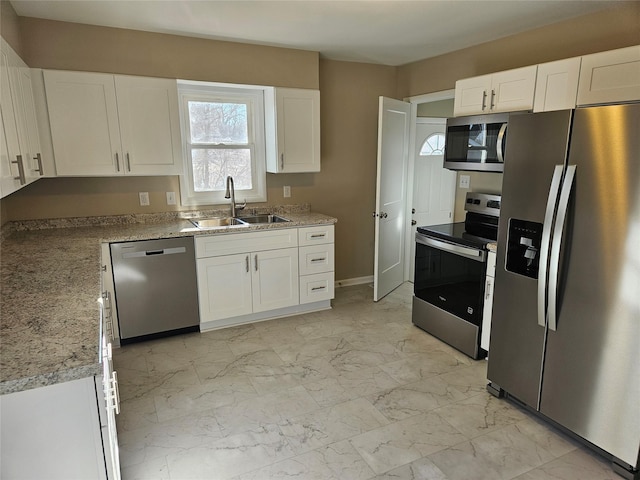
(73, 46)
(614, 28)
(9, 27)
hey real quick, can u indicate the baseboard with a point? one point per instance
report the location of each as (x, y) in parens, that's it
(354, 281)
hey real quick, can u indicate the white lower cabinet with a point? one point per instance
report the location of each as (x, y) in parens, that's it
(317, 263)
(56, 432)
(251, 276)
(235, 285)
(245, 273)
(488, 301)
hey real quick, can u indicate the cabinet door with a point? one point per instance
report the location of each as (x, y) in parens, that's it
(84, 123)
(297, 131)
(10, 147)
(149, 125)
(52, 432)
(512, 90)
(610, 77)
(19, 143)
(471, 96)
(275, 279)
(557, 85)
(224, 287)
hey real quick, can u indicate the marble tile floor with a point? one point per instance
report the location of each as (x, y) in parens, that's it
(353, 393)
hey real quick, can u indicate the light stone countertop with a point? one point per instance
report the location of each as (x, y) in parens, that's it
(50, 287)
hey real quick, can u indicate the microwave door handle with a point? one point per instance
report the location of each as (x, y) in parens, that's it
(552, 200)
(556, 243)
(501, 134)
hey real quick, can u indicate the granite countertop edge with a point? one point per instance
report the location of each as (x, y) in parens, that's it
(45, 342)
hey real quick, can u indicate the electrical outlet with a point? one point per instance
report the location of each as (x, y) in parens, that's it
(144, 198)
(171, 198)
(286, 191)
(465, 181)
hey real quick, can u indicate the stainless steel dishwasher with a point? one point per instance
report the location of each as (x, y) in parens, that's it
(155, 288)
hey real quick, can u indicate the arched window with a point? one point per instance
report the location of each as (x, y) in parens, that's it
(433, 145)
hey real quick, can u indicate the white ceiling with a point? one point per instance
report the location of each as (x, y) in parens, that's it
(390, 32)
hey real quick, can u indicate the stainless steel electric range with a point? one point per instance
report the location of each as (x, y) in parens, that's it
(450, 269)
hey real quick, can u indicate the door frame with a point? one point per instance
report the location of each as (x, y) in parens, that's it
(415, 101)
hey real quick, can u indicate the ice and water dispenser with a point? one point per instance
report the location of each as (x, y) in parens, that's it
(523, 247)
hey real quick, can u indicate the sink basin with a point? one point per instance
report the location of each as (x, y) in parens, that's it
(213, 222)
(265, 218)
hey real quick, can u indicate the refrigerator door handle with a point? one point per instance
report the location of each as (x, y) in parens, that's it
(556, 243)
(552, 200)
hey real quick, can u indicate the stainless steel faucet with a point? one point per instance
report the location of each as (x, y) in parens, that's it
(231, 193)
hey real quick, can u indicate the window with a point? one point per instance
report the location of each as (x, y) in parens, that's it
(433, 145)
(223, 128)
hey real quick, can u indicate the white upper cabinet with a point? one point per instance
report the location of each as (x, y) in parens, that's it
(21, 160)
(508, 91)
(557, 85)
(610, 77)
(103, 124)
(149, 125)
(293, 130)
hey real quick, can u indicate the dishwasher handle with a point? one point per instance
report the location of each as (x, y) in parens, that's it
(150, 253)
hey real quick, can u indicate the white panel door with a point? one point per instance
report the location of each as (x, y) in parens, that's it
(391, 195)
(149, 125)
(84, 123)
(224, 287)
(434, 187)
(275, 281)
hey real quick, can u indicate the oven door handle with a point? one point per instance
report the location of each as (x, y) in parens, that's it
(468, 252)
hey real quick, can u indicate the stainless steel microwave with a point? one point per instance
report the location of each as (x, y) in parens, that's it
(476, 143)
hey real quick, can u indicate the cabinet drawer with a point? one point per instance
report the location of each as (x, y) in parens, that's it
(491, 264)
(316, 259)
(229, 244)
(315, 288)
(315, 235)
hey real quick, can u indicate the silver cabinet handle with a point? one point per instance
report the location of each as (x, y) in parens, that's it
(21, 176)
(556, 243)
(317, 288)
(38, 157)
(552, 200)
(247, 263)
(484, 100)
(318, 235)
(117, 162)
(318, 259)
(493, 96)
(256, 259)
(128, 162)
(282, 161)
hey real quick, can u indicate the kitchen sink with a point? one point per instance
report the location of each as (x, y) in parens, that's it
(265, 218)
(213, 222)
(219, 222)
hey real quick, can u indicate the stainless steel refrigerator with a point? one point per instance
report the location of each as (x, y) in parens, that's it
(565, 333)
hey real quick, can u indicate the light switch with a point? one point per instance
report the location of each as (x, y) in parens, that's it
(465, 181)
(286, 191)
(171, 198)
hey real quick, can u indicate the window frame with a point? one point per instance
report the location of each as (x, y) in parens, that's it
(221, 92)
